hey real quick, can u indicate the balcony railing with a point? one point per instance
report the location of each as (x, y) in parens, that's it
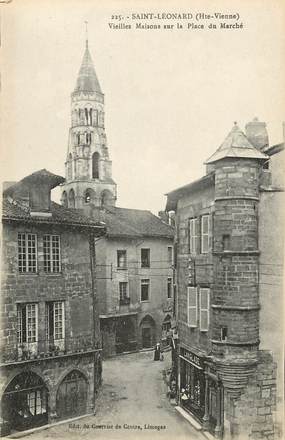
(124, 301)
(18, 352)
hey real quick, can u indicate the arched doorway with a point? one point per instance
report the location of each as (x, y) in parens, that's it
(25, 402)
(71, 398)
(125, 335)
(148, 336)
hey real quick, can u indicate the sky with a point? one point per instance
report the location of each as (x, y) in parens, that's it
(171, 96)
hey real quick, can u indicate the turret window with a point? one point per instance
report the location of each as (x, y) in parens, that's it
(95, 165)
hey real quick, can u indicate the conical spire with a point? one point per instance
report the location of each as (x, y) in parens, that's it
(236, 144)
(87, 80)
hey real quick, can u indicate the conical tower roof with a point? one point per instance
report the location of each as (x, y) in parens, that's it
(237, 145)
(87, 80)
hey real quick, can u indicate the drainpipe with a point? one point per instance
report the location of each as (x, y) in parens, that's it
(92, 253)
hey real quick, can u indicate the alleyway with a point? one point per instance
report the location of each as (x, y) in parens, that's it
(133, 396)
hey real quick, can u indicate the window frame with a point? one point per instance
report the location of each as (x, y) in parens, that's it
(123, 252)
(193, 289)
(205, 236)
(203, 309)
(144, 282)
(147, 264)
(55, 339)
(20, 324)
(52, 259)
(24, 263)
(125, 283)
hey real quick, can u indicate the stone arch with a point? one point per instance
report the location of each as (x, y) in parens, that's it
(148, 331)
(72, 394)
(24, 402)
(106, 198)
(71, 199)
(64, 200)
(89, 195)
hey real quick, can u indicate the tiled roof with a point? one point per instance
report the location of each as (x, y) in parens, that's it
(236, 145)
(17, 211)
(173, 196)
(87, 80)
(135, 223)
(38, 177)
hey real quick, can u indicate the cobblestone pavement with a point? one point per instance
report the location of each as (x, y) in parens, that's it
(132, 405)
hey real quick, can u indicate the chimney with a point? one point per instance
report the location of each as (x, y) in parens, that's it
(256, 133)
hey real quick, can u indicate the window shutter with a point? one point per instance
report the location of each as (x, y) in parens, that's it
(205, 234)
(210, 232)
(192, 306)
(204, 309)
(198, 234)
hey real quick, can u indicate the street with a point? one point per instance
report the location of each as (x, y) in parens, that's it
(132, 405)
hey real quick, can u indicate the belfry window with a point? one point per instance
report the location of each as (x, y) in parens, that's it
(95, 165)
(90, 116)
(87, 197)
(86, 116)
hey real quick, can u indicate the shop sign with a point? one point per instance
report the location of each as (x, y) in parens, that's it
(193, 358)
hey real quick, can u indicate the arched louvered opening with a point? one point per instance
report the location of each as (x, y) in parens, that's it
(69, 167)
(89, 196)
(64, 199)
(71, 199)
(106, 198)
(95, 165)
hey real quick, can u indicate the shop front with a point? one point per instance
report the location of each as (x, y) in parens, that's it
(192, 383)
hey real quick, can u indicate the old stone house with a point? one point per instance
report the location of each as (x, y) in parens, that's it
(227, 312)
(134, 259)
(50, 341)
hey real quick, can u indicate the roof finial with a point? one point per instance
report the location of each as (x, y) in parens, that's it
(86, 32)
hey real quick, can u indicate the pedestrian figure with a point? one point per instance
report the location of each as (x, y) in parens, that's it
(157, 352)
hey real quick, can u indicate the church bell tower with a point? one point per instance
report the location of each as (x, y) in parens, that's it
(88, 169)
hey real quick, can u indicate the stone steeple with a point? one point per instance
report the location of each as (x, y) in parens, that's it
(88, 169)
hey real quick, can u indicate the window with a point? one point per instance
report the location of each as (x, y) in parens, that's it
(55, 330)
(27, 252)
(144, 290)
(27, 323)
(205, 234)
(226, 242)
(224, 333)
(192, 306)
(170, 255)
(123, 288)
(52, 253)
(122, 259)
(193, 235)
(95, 165)
(169, 287)
(204, 309)
(145, 257)
(37, 402)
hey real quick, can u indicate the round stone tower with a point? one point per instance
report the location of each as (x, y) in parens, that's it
(235, 302)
